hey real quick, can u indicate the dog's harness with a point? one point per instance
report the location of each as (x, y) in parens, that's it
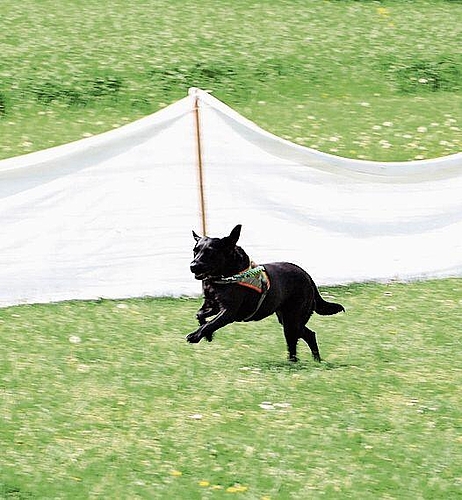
(254, 277)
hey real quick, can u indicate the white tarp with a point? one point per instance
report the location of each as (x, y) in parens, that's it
(111, 216)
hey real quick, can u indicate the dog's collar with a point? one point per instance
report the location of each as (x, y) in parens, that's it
(255, 278)
(250, 272)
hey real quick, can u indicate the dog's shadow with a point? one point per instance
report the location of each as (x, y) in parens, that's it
(300, 366)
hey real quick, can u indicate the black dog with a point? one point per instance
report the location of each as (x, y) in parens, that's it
(237, 290)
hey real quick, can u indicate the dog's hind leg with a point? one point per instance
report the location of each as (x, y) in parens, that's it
(294, 331)
(291, 333)
(310, 338)
(291, 340)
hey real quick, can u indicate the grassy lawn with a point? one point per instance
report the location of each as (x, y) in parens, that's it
(107, 400)
(365, 79)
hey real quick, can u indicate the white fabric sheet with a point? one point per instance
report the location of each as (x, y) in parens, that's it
(111, 216)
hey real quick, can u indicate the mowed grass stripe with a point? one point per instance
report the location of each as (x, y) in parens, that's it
(366, 80)
(106, 399)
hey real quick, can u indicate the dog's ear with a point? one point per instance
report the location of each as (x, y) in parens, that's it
(196, 236)
(233, 235)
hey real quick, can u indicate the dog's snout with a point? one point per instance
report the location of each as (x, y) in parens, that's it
(195, 267)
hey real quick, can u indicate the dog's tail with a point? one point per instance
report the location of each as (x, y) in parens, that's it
(325, 308)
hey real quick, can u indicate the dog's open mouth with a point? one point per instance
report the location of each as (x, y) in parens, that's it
(200, 276)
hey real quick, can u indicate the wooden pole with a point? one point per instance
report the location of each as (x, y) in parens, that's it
(200, 170)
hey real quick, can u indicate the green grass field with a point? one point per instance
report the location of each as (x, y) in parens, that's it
(365, 79)
(107, 400)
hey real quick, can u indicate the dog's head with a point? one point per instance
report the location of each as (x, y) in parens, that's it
(212, 254)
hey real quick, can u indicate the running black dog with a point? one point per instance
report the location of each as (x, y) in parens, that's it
(235, 289)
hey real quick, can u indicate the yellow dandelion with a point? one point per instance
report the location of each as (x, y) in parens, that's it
(204, 484)
(237, 488)
(383, 11)
(176, 473)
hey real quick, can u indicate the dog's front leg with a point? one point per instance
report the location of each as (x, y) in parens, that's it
(223, 318)
(209, 308)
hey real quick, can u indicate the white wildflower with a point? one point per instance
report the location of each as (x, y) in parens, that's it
(266, 405)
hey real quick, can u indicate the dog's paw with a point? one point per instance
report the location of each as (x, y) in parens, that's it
(193, 338)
